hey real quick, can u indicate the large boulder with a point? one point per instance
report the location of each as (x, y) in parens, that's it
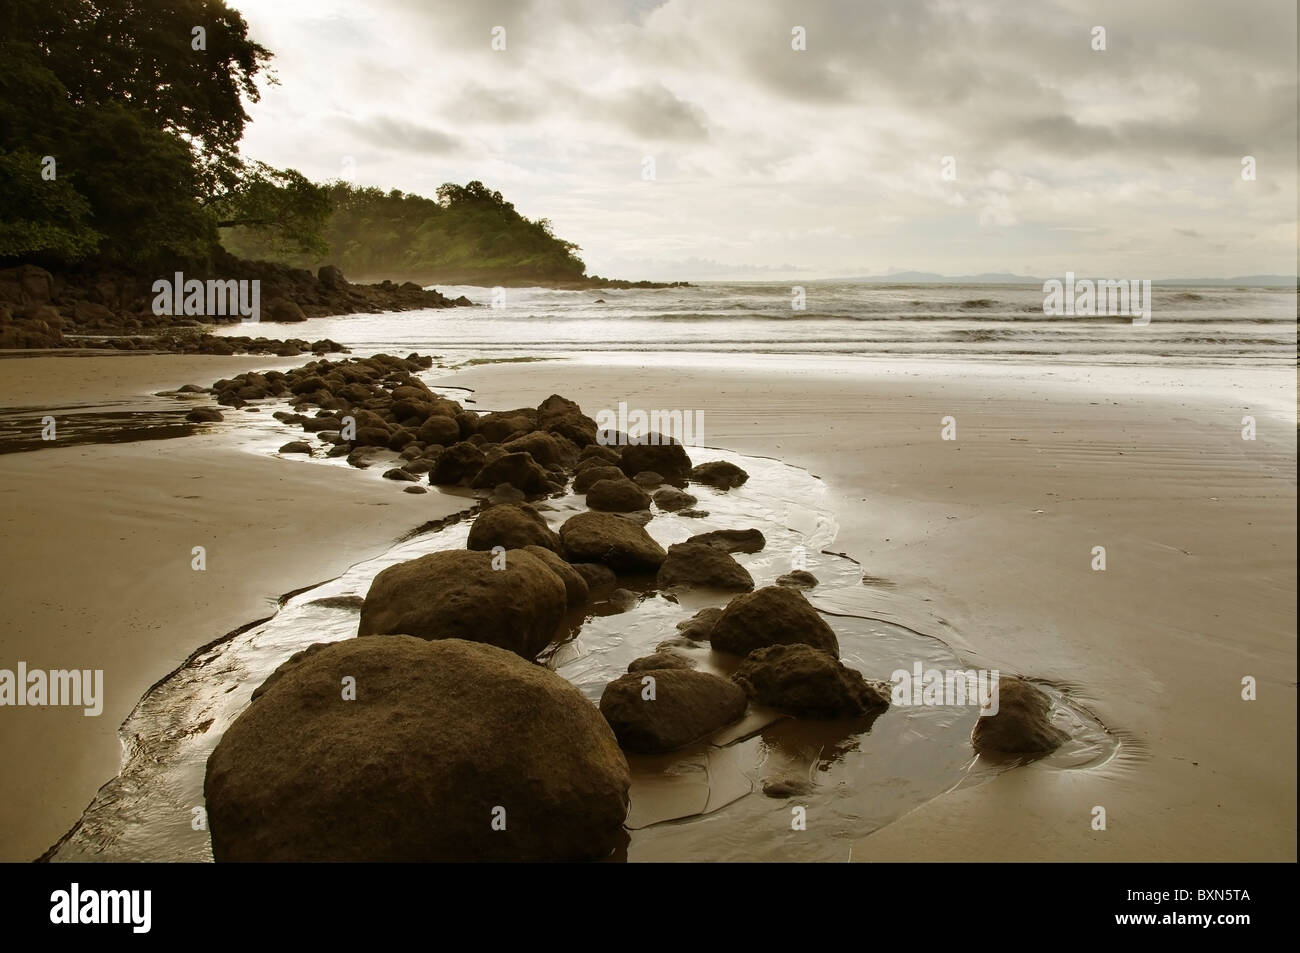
(437, 429)
(805, 681)
(732, 540)
(331, 277)
(719, 473)
(545, 448)
(667, 457)
(588, 476)
(658, 710)
(1022, 724)
(670, 499)
(459, 594)
(512, 526)
(457, 465)
(441, 740)
(520, 470)
(617, 496)
(566, 419)
(698, 564)
(620, 544)
(772, 615)
(575, 584)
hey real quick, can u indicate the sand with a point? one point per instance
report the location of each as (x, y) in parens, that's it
(97, 563)
(985, 541)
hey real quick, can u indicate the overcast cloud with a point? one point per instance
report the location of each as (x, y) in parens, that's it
(772, 163)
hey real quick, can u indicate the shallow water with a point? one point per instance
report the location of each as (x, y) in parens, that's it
(704, 802)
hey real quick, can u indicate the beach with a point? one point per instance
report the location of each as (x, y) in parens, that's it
(985, 542)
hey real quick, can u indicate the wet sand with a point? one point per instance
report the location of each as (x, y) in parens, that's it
(97, 562)
(984, 541)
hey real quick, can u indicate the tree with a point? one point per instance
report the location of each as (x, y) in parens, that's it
(292, 208)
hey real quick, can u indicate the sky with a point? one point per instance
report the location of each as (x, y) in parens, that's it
(954, 136)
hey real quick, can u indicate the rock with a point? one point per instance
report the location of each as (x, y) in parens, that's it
(698, 564)
(648, 479)
(545, 448)
(505, 493)
(439, 430)
(686, 706)
(397, 473)
(282, 311)
(624, 600)
(204, 415)
(595, 574)
(363, 457)
(771, 616)
(331, 277)
(617, 543)
(458, 465)
(659, 660)
(87, 312)
(513, 526)
(617, 496)
(599, 453)
(1021, 725)
(440, 736)
(575, 585)
(592, 475)
(520, 470)
(296, 446)
(805, 681)
(732, 540)
(719, 473)
(667, 457)
(693, 513)
(799, 579)
(788, 787)
(457, 594)
(414, 488)
(699, 627)
(640, 517)
(671, 499)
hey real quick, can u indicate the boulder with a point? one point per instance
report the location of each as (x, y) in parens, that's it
(666, 457)
(457, 465)
(799, 579)
(772, 615)
(720, 474)
(673, 708)
(670, 499)
(441, 739)
(698, 564)
(594, 574)
(545, 448)
(513, 526)
(457, 594)
(604, 538)
(732, 540)
(699, 627)
(805, 681)
(617, 496)
(575, 584)
(204, 415)
(397, 473)
(283, 311)
(1022, 724)
(440, 430)
(589, 476)
(517, 469)
(331, 277)
(658, 660)
(296, 446)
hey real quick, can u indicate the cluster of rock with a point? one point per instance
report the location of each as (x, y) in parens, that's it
(454, 744)
(98, 307)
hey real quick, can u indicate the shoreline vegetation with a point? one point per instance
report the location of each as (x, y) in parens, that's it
(120, 165)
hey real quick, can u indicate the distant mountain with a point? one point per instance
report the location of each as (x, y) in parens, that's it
(1003, 278)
